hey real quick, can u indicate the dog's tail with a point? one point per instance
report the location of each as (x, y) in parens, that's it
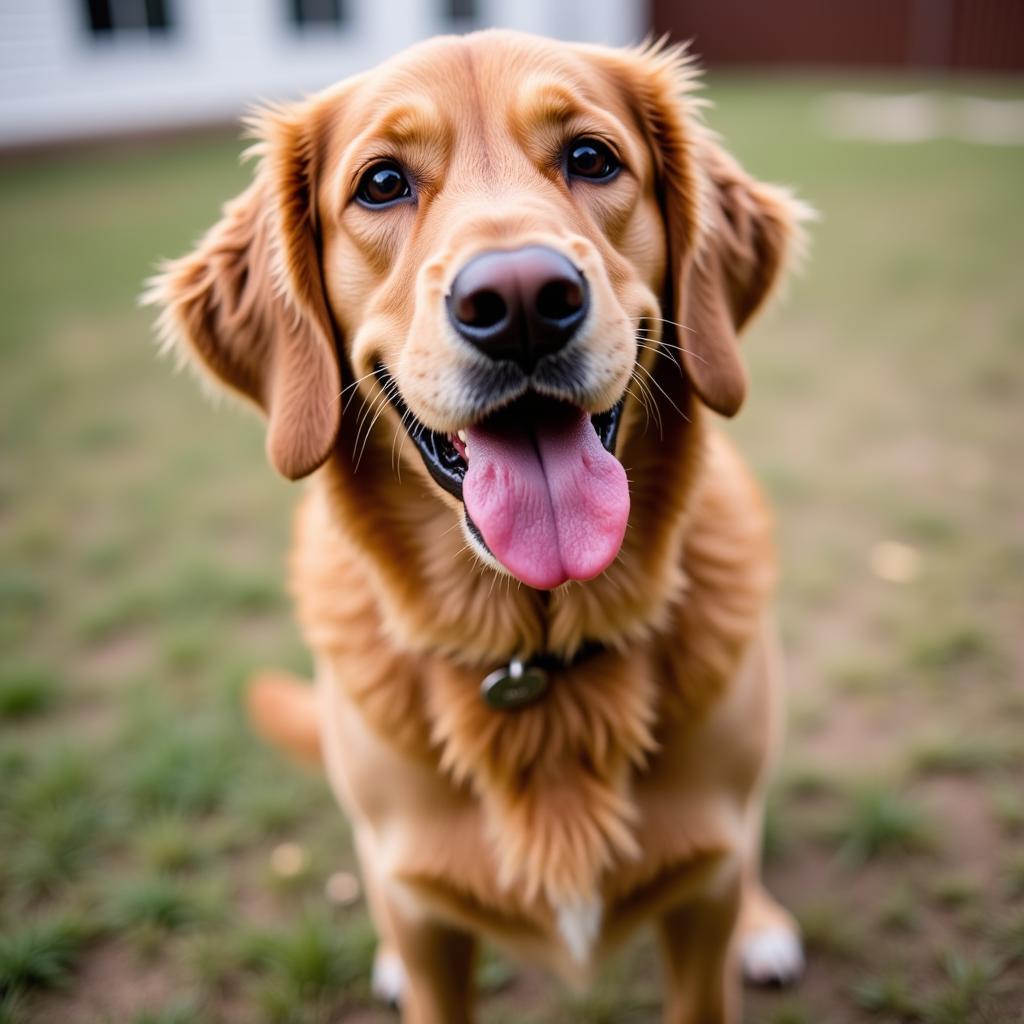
(283, 710)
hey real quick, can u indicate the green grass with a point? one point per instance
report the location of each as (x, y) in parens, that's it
(832, 931)
(881, 820)
(40, 955)
(1011, 940)
(860, 676)
(26, 691)
(53, 775)
(185, 771)
(170, 843)
(962, 755)
(308, 967)
(52, 821)
(51, 856)
(156, 902)
(957, 890)
(801, 781)
(1008, 807)
(951, 646)
(887, 994)
(178, 1012)
(900, 910)
(1015, 875)
(966, 992)
(12, 1008)
(791, 1012)
(143, 541)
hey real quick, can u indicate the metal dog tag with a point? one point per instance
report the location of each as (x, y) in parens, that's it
(514, 686)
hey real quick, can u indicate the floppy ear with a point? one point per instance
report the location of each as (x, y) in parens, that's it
(728, 235)
(749, 228)
(249, 307)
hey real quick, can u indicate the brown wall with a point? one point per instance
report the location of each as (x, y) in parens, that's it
(938, 34)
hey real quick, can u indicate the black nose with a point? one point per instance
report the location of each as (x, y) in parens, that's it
(520, 304)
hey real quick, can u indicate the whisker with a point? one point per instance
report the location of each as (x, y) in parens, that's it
(377, 415)
(662, 320)
(652, 401)
(455, 525)
(643, 405)
(658, 350)
(373, 401)
(654, 406)
(660, 339)
(397, 467)
(663, 391)
(366, 439)
(349, 387)
(677, 348)
(371, 408)
(649, 403)
(367, 410)
(653, 380)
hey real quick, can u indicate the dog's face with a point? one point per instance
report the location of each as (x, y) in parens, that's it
(499, 206)
(483, 235)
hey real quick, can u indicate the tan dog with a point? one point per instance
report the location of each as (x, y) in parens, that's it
(453, 288)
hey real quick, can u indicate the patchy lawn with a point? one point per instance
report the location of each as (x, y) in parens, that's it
(158, 865)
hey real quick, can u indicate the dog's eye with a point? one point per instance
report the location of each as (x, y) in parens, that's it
(382, 184)
(591, 158)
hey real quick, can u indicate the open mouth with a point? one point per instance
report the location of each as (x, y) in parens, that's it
(542, 489)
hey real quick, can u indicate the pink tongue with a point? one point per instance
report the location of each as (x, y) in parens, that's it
(551, 503)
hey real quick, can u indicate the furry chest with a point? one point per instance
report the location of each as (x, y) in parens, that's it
(516, 865)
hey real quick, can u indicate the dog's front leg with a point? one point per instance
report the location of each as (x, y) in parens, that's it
(701, 976)
(438, 962)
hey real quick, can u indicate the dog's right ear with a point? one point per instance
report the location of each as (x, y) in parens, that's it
(248, 304)
(728, 236)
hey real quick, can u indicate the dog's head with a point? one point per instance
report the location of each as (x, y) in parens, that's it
(487, 239)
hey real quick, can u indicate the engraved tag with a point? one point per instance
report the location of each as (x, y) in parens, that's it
(514, 686)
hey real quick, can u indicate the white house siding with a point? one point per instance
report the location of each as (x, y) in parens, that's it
(58, 82)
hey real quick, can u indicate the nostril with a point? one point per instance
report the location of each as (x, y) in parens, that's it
(482, 308)
(559, 300)
(518, 305)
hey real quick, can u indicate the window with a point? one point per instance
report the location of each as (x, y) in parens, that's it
(460, 10)
(317, 13)
(109, 17)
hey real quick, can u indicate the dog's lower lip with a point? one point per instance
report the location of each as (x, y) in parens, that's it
(440, 452)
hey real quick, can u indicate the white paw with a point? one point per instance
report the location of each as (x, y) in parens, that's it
(388, 980)
(773, 956)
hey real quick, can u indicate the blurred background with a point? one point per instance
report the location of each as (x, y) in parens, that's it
(158, 865)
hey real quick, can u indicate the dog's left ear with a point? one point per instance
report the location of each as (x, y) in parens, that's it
(248, 306)
(728, 236)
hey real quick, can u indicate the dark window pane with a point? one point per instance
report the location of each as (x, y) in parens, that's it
(316, 12)
(109, 16)
(461, 10)
(156, 15)
(99, 15)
